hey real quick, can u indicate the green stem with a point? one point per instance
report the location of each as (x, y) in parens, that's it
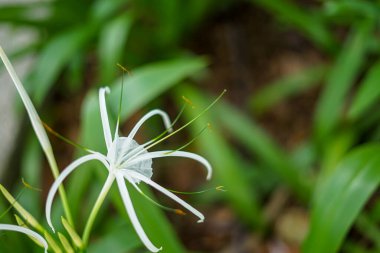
(95, 209)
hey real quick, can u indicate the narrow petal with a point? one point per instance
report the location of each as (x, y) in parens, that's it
(132, 214)
(74, 165)
(166, 153)
(150, 114)
(33, 116)
(26, 231)
(104, 116)
(171, 195)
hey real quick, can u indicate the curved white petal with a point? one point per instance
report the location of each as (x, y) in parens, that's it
(132, 214)
(104, 116)
(26, 231)
(166, 192)
(53, 189)
(166, 153)
(34, 118)
(164, 116)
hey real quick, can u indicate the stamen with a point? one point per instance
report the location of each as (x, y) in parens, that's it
(172, 125)
(139, 150)
(218, 188)
(59, 136)
(174, 210)
(125, 70)
(179, 212)
(190, 122)
(192, 140)
(184, 126)
(188, 101)
(29, 186)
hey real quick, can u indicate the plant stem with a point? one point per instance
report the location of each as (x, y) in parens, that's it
(95, 209)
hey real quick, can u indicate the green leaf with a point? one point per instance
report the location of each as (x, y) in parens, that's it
(75, 238)
(147, 82)
(23, 224)
(225, 161)
(65, 243)
(154, 222)
(54, 57)
(288, 86)
(52, 243)
(339, 81)
(119, 239)
(305, 21)
(336, 148)
(111, 45)
(368, 93)
(31, 165)
(25, 214)
(23, 14)
(249, 134)
(339, 198)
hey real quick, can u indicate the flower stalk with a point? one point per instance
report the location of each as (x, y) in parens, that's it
(96, 208)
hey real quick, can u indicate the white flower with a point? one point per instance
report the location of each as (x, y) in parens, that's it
(127, 160)
(26, 231)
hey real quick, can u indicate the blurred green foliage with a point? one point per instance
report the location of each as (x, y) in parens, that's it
(334, 172)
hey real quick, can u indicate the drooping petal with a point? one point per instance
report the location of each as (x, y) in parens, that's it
(132, 214)
(26, 231)
(33, 116)
(167, 153)
(74, 165)
(171, 195)
(104, 116)
(150, 114)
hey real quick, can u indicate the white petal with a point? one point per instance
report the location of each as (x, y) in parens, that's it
(132, 214)
(104, 116)
(34, 118)
(150, 114)
(74, 165)
(166, 153)
(26, 231)
(167, 193)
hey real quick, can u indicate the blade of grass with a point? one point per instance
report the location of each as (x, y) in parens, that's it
(341, 78)
(339, 198)
(111, 45)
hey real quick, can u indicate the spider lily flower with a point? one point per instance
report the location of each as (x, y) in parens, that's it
(26, 231)
(127, 160)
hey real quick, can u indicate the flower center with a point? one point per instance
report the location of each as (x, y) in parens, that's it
(122, 154)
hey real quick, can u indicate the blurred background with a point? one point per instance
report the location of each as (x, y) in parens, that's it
(302, 92)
